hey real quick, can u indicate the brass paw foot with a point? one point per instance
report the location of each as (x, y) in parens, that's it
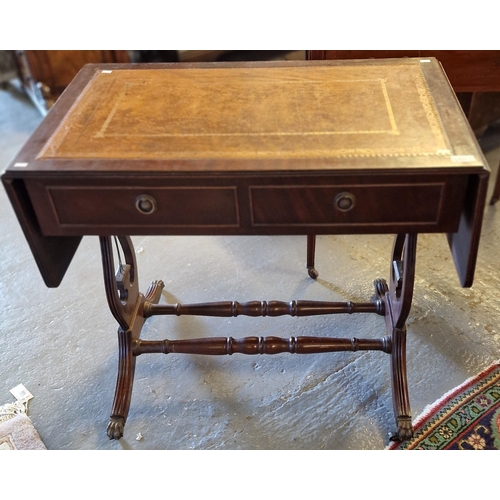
(405, 429)
(115, 427)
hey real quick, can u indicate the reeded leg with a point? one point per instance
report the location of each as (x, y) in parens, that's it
(124, 383)
(123, 297)
(400, 396)
(398, 298)
(311, 249)
(399, 381)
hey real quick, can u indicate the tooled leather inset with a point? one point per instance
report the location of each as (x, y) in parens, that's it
(238, 113)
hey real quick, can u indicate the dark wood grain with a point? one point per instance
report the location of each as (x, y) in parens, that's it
(265, 308)
(52, 255)
(275, 203)
(218, 346)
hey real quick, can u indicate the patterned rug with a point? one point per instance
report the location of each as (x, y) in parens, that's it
(16, 430)
(466, 418)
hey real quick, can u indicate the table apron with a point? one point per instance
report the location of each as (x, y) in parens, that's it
(249, 206)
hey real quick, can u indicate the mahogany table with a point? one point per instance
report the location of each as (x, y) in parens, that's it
(276, 148)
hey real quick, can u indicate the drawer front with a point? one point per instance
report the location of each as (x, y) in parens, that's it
(133, 210)
(375, 205)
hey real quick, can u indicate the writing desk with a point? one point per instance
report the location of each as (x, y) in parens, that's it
(343, 147)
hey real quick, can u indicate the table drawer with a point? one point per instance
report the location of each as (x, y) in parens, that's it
(425, 204)
(63, 209)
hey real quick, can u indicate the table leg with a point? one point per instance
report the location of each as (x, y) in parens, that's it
(398, 298)
(126, 305)
(311, 249)
(124, 384)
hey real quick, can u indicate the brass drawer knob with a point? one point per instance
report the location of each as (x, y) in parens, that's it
(344, 201)
(145, 204)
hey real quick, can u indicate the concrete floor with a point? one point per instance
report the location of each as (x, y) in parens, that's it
(61, 343)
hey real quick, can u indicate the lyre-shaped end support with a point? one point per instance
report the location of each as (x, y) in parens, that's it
(130, 309)
(122, 290)
(126, 305)
(398, 298)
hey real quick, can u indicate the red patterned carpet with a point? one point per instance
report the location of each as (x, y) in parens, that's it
(466, 418)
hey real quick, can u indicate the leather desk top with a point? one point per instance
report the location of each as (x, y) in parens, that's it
(295, 124)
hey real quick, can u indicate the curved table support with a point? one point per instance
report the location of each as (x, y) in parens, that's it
(131, 309)
(124, 383)
(126, 304)
(398, 297)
